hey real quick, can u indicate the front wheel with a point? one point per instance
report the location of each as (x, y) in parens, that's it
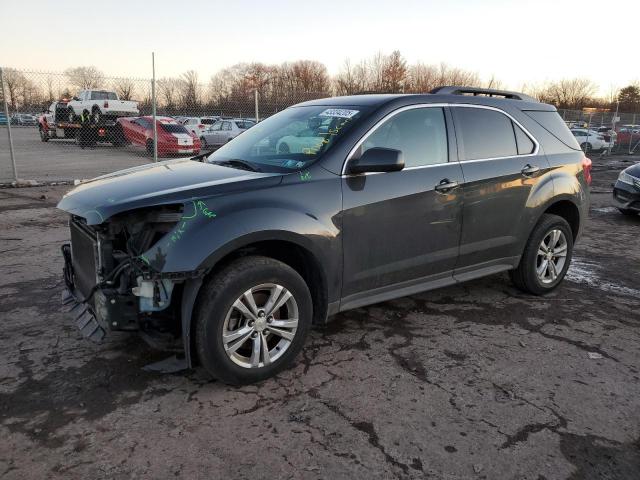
(546, 256)
(252, 320)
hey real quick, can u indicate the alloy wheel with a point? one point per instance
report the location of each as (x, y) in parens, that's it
(551, 257)
(260, 326)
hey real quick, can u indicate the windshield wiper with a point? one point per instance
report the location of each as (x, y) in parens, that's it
(237, 163)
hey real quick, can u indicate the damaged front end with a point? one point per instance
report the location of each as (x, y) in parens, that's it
(112, 286)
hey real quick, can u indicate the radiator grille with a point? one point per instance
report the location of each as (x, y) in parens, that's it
(84, 252)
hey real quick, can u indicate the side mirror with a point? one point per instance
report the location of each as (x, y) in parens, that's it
(377, 160)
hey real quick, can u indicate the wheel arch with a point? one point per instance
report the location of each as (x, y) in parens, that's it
(568, 210)
(290, 251)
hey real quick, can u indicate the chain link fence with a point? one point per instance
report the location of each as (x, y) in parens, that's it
(58, 136)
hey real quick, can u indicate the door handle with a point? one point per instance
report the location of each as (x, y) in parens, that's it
(445, 186)
(529, 170)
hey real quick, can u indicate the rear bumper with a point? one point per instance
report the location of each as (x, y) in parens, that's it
(626, 196)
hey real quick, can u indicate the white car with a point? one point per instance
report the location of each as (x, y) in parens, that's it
(197, 125)
(589, 139)
(101, 103)
(223, 131)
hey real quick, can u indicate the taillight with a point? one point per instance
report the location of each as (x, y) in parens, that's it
(586, 168)
(200, 126)
(106, 104)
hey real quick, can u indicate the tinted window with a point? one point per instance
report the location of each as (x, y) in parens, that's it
(244, 124)
(524, 143)
(216, 126)
(484, 133)
(419, 133)
(226, 125)
(208, 121)
(143, 123)
(173, 128)
(553, 123)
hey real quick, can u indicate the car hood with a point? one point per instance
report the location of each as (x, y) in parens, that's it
(172, 181)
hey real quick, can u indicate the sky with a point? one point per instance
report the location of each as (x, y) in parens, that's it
(520, 42)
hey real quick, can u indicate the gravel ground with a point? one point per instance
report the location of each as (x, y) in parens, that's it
(472, 381)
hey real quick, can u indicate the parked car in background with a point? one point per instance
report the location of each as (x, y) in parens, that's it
(24, 120)
(224, 130)
(626, 190)
(3, 119)
(609, 134)
(173, 138)
(589, 140)
(197, 125)
(628, 134)
(101, 103)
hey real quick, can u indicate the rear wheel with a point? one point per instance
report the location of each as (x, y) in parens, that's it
(586, 147)
(252, 320)
(44, 136)
(96, 115)
(546, 257)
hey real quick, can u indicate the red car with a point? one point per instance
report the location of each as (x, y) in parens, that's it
(173, 138)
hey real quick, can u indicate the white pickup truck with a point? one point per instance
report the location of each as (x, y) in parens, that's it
(101, 103)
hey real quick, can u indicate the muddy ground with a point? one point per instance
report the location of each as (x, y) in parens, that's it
(472, 381)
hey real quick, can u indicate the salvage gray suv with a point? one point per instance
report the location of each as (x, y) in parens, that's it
(326, 206)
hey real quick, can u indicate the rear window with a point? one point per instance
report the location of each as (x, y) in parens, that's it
(173, 128)
(553, 123)
(244, 124)
(208, 121)
(103, 96)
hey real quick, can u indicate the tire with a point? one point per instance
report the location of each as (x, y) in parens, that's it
(526, 276)
(586, 147)
(44, 136)
(628, 211)
(96, 114)
(149, 147)
(216, 314)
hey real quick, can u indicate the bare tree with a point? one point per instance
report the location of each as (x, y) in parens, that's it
(168, 89)
(13, 81)
(574, 93)
(124, 87)
(190, 90)
(85, 78)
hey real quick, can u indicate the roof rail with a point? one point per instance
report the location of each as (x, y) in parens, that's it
(490, 92)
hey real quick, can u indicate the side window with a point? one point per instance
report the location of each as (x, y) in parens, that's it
(484, 133)
(523, 142)
(216, 126)
(420, 134)
(226, 125)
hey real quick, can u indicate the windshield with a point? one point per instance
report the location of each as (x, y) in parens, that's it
(291, 139)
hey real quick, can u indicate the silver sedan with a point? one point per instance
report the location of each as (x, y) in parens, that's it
(224, 130)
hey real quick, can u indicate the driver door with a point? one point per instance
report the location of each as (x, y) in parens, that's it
(402, 229)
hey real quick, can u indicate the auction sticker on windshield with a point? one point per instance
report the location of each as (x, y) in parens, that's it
(338, 112)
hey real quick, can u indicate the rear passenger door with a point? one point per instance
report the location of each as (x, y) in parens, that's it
(501, 166)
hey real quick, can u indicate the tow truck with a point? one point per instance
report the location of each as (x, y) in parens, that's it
(54, 124)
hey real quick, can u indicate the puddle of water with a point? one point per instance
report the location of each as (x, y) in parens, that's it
(605, 210)
(587, 273)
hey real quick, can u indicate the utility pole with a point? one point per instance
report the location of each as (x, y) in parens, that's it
(6, 113)
(153, 102)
